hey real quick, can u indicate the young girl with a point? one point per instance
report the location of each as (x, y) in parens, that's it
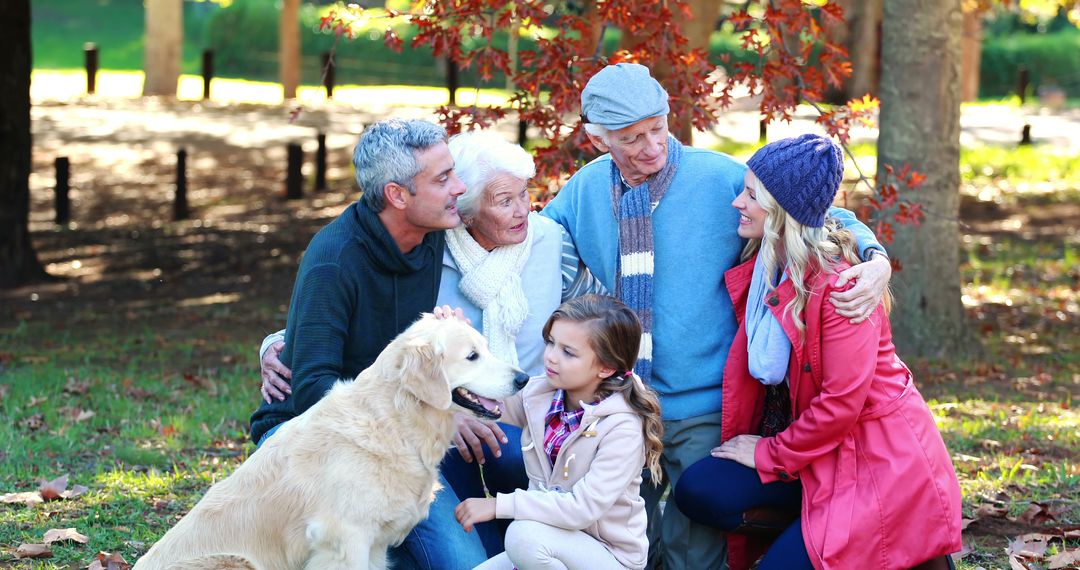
(588, 427)
(819, 414)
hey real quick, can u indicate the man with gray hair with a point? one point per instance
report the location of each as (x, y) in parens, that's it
(369, 274)
(652, 219)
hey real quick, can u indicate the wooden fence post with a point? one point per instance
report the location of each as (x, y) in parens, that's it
(180, 205)
(63, 205)
(452, 80)
(295, 153)
(320, 163)
(328, 67)
(90, 52)
(207, 71)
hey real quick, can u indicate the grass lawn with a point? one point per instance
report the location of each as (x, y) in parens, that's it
(136, 373)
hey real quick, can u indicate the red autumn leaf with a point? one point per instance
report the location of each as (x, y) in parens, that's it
(392, 40)
(833, 11)
(52, 490)
(740, 19)
(109, 561)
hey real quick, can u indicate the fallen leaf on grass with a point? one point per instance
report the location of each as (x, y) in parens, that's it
(1029, 545)
(986, 510)
(1040, 513)
(964, 523)
(57, 489)
(109, 561)
(62, 534)
(33, 551)
(34, 422)
(965, 549)
(1064, 559)
(28, 498)
(52, 490)
(74, 491)
(1017, 564)
(76, 388)
(197, 381)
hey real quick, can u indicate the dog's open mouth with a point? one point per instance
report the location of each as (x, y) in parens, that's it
(478, 405)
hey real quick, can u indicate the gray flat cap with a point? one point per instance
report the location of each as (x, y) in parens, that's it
(622, 94)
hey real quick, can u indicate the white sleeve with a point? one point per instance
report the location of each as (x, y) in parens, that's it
(270, 340)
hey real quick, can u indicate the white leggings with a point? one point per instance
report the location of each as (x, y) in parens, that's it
(532, 545)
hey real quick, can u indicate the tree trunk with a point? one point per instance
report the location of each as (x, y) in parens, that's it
(865, 48)
(861, 35)
(920, 126)
(164, 46)
(18, 264)
(972, 55)
(289, 46)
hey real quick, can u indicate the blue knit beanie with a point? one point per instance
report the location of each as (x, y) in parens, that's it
(802, 173)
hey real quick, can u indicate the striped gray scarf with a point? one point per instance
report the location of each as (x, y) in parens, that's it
(633, 277)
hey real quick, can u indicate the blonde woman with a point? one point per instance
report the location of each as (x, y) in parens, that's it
(819, 414)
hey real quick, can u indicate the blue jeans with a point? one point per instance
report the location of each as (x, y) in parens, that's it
(438, 542)
(716, 492)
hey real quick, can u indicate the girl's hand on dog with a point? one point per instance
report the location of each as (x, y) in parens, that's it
(739, 449)
(275, 375)
(472, 511)
(471, 434)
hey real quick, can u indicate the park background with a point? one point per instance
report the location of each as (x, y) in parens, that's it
(133, 369)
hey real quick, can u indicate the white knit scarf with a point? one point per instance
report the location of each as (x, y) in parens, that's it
(492, 281)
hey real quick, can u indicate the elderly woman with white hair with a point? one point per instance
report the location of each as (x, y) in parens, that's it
(506, 266)
(508, 269)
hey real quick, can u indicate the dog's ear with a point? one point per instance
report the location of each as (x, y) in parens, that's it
(422, 372)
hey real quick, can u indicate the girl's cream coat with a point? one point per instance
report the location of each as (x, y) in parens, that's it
(595, 482)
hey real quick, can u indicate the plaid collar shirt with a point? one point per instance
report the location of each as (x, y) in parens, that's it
(559, 424)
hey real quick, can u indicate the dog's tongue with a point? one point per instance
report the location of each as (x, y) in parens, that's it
(491, 405)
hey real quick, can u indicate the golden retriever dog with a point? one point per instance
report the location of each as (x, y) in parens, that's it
(339, 484)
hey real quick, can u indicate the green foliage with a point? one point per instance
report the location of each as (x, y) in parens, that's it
(59, 29)
(1051, 61)
(244, 37)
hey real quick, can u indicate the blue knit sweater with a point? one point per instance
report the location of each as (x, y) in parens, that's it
(354, 292)
(695, 241)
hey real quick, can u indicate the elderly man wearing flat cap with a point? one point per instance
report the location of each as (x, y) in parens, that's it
(652, 219)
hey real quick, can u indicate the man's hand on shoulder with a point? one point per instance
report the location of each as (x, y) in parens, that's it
(871, 278)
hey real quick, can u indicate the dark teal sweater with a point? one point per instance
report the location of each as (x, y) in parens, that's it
(354, 292)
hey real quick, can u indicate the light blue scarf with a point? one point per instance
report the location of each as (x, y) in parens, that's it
(768, 345)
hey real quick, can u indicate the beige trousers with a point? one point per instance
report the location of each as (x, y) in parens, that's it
(532, 545)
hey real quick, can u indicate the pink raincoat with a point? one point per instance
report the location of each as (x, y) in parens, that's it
(879, 490)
